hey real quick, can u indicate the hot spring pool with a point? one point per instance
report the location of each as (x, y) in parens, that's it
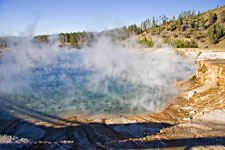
(92, 80)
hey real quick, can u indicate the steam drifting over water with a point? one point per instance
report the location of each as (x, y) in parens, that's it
(107, 77)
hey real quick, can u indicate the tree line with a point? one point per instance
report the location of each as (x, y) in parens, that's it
(197, 22)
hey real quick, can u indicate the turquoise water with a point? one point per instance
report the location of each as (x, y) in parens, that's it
(68, 85)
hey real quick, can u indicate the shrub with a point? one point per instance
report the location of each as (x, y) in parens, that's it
(202, 40)
(187, 36)
(178, 44)
(193, 44)
(173, 27)
(163, 36)
(167, 28)
(146, 42)
(166, 40)
(175, 35)
(184, 44)
(153, 31)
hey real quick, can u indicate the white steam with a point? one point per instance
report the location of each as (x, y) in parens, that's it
(108, 77)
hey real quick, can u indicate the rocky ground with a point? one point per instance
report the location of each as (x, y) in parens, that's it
(193, 120)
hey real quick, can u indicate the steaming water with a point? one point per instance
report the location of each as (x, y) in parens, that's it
(105, 78)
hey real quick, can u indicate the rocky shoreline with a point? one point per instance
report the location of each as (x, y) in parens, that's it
(189, 121)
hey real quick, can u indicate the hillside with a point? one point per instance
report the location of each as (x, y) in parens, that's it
(189, 26)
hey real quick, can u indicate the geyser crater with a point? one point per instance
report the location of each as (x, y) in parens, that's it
(105, 78)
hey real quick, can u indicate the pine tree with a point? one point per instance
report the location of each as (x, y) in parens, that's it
(203, 23)
(193, 13)
(189, 13)
(212, 17)
(191, 22)
(223, 16)
(178, 24)
(180, 19)
(174, 19)
(198, 18)
(73, 40)
(215, 32)
(153, 22)
(164, 19)
(185, 14)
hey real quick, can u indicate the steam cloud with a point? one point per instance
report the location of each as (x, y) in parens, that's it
(108, 77)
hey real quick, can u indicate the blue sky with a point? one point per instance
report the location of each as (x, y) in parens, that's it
(54, 16)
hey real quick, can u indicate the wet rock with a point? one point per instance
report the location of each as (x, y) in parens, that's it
(32, 132)
(80, 137)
